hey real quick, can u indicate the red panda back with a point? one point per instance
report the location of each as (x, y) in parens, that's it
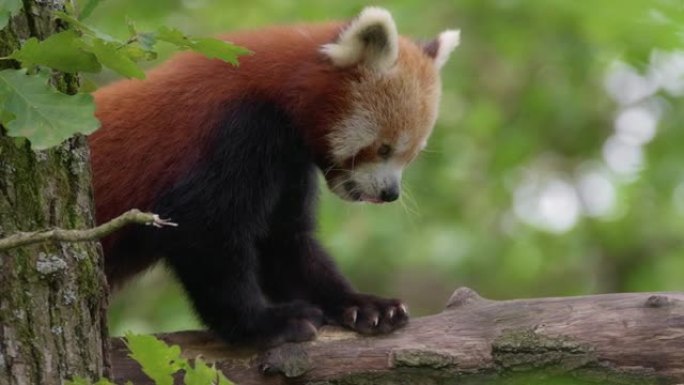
(231, 155)
(154, 130)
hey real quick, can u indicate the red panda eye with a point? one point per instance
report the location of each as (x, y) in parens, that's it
(385, 151)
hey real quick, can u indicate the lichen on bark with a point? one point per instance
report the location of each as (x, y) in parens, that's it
(525, 349)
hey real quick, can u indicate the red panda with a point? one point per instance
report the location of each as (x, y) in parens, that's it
(230, 154)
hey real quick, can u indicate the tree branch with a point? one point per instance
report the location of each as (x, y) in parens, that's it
(61, 235)
(635, 339)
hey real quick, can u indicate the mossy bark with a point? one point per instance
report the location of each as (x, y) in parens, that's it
(52, 295)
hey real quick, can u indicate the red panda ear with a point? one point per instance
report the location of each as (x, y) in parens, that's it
(371, 40)
(440, 49)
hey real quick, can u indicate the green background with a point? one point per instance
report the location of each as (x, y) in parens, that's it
(556, 166)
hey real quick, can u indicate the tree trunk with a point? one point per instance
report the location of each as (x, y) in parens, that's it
(633, 339)
(52, 295)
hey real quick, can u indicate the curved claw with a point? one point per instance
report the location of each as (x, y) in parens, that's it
(350, 316)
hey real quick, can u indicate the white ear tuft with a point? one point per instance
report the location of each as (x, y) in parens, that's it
(447, 41)
(371, 39)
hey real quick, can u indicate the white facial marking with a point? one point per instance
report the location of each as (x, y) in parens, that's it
(352, 134)
(403, 142)
(448, 40)
(423, 145)
(372, 178)
(353, 46)
(369, 180)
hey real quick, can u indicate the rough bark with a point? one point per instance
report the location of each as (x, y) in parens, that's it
(602, 339)
(51, 295)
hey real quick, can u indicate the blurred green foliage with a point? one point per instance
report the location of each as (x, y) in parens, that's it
(555, 167)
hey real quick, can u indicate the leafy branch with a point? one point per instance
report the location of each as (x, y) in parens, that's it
(8, 8)
(30, 108)
(160, 362)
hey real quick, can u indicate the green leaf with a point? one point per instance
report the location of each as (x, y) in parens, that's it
(200, 374)
(41, 114)
(132, 30)
(223, 380)
(87, 85)
(5, 115)
(115, 57)
(158, 360)
(215, 48)
(8, 8)
(61, 51)
(136, 53)
(141, 41)
(212, 48)
(173, 36)
(147, 40)
(88, 9)
(82, 27)
(74, 22)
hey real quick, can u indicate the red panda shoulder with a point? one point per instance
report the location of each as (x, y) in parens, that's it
(162, 123)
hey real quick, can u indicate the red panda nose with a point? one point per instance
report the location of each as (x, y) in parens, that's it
(389, 194)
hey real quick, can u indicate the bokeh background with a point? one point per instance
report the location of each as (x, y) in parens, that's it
(556, 167)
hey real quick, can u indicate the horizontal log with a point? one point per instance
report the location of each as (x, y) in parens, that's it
(601, 339)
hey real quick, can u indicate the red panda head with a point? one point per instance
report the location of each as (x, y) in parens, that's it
(394, 97)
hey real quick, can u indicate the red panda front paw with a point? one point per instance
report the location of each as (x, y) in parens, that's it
(368, 314)
(292, 322)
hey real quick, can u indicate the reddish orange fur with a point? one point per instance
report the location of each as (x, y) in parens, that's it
(216, 148)
(169, 113)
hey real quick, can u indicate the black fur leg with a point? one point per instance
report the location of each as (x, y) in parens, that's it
(227, 297)
(295, 265)
(223, 207)
(244, 248)
(289, 322)
(277, 324)
(368, 314)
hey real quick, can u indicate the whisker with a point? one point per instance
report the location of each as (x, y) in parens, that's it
(331, 169)
(409, 202)
(341, 183)
(431, 151)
